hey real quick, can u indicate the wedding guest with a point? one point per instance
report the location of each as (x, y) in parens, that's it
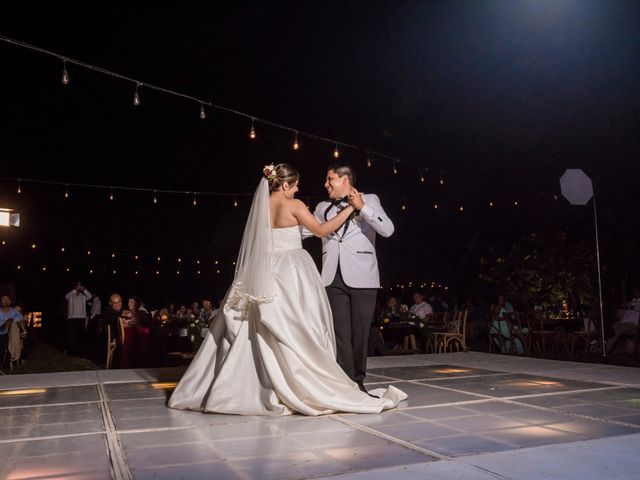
(137, 332)
(8, 315)
(76, 322)
(628, 323)
(421, 309)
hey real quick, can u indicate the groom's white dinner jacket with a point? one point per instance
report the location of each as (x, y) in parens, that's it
(354, 243)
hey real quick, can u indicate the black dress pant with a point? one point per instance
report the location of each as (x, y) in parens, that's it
(353, 310)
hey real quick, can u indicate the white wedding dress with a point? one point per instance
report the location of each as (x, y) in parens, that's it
(275, 354)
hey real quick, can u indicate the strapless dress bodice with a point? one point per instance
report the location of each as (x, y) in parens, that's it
(288, 238)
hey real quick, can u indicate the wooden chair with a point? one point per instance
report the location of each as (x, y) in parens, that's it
(520, 331)
(542, 337)
(455, 335)
(111, 347)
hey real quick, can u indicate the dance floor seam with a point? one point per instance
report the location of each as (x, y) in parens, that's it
(462, 409)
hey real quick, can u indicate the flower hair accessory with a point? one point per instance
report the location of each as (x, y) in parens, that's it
(269, 172)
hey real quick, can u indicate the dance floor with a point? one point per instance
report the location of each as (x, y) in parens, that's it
(468, 415)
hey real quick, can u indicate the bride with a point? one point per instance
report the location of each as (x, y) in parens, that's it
(271, 349)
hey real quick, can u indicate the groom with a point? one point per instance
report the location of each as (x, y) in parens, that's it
(350, 267)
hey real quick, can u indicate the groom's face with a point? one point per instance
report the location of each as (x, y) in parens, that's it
(337, 187)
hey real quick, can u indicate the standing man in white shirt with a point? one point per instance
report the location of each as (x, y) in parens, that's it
(350, 266)
(76, 318)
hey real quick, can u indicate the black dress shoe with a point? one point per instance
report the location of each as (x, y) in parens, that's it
(362, 387)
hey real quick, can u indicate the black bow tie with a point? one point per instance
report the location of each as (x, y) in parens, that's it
(338, 201)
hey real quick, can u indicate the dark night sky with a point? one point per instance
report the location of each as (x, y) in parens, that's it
(497, 98)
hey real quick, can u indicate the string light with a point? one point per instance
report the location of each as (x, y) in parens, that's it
(235, 203)
(44, 269)
(136, 95)
(33, 246)
(195, 202)
(404, 207)
(461, 208)
(336, 153)
(442, 181)
(435, 206)
(422, 177)
(155, 197)
(135, 257)
(111, 195)
(113, 255)
(62, 249)
(179, 260)
(491, 204)
(136, 272)
(65, 74)
(515, 203)
(19, 187)
(66, 192)
(91, 271)
(203, 113)
(296, 145)
(19, 267)
(369, 160)
(252, 132)
(395, 168)
(158, 259)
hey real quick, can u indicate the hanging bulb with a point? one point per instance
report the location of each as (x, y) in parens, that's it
(65, 74)
(113, 255)
(336, 153)
(404, 207)
(135, 257)
(395, 169)
(368, 160)
(19, 187)
(155, 198)
(33, 246)
(491, 204)
(195, 202)
(296, 145)
(422, 177)
(62, 249)
(111, 195)
(435, 206)
(203, 114)
(88, 252)
(136, 95)
(235, 203)
(461, 208)
(252, 132)
(515, 203)
(66, 192)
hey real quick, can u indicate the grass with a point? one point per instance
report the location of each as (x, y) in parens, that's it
(42, 357)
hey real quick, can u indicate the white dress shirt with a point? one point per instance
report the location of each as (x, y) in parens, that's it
(421, 310)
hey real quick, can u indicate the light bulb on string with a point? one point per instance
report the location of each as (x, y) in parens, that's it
(442, 181)
(404, 208)
(336, 152)
(155, 198)
(296, 145)
(252, 132)
(62, 249)
(435, 206)
(491, 204)
(195, 201)
(65, 74)
(135, 257)
(136, 95)
(515, 204)
(422, 177)
(369, 160)
(395, 168)
(461, 208)
(66, 191)
(203, 113)
(111, 195)
(19, 187)
(235, 203)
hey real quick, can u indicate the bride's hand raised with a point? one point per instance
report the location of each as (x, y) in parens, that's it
(355, 199)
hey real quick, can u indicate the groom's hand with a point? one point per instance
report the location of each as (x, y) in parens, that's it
(355, 199)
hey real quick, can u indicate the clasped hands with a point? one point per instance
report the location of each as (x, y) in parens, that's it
(355, 199)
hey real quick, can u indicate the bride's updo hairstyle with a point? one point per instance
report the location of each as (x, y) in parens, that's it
(278, 175)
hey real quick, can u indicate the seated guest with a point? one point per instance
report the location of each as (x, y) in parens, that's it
(112, 312)
(628, 323)
(499, 323)
(8, 316)
(422, 310)
(137, 332)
